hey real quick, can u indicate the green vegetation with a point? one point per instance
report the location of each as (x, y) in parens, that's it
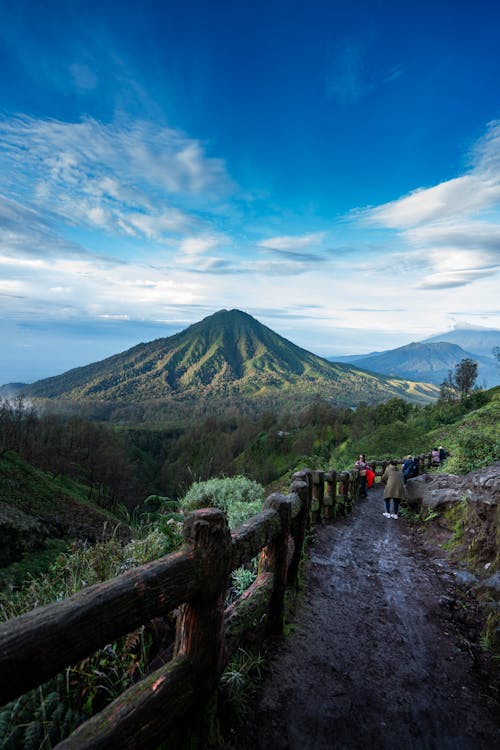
(61, 474)
(468, 428)
(240, 498)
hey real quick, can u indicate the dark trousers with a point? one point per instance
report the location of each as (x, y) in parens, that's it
(395, 502)
(362, 487)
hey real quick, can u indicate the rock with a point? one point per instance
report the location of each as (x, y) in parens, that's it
(490, 584)
(463, 576)
(444, 490)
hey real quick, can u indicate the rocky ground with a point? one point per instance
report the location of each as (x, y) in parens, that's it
(382, 654)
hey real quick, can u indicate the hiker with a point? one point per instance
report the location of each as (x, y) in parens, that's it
(410, 468)
(443, 455)
(435, 457)
(362, 467)
(394, 489)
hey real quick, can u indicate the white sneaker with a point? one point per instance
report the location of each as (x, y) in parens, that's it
(393, 515)
(387, 515)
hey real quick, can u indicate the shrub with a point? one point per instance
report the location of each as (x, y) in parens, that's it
(239, 497)
(474, 451)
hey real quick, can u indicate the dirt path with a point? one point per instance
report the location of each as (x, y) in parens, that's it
(375, 660)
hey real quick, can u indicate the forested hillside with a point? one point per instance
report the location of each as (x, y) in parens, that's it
(110, 467)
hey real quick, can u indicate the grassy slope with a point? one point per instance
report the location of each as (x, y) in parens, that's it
(41, 514)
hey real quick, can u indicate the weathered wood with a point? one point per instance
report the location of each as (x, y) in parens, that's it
(295, 504)
(199, 624)
(274, 559)
(330, 494)
(248, 613)
(344, 491)
(298, 527)
(39, 644)
(318, 494)
(305, 475)
(250, 537)
(144, 715)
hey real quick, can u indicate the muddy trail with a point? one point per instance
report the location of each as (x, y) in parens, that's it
(376, 658)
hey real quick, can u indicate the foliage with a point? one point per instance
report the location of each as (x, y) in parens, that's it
(461, 382)
(465, 376)
(242, 578)
(239, 681)
(450, 424)
(49, 713)
(239, 497)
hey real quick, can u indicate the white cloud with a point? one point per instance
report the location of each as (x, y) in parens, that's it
(195, 246)
(125, 178)
(293, 243)
(451, 230)
(470, 194)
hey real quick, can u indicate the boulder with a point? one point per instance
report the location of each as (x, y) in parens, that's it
(444, 490)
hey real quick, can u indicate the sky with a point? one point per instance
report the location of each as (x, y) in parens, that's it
(331, 168)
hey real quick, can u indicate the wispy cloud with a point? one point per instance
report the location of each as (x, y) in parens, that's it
(305, 248)
(293, 243)
(125, 178)
(452, 229)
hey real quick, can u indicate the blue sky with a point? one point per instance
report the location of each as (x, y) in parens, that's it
(331, 168)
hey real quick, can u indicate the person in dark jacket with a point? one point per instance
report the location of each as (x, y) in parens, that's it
(410, 468)
(394, 489)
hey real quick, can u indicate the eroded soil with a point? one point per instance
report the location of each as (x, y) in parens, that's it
(377, 658)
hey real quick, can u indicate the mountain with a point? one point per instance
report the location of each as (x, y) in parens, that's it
(425, 361)
(480, 341)
(229, 354)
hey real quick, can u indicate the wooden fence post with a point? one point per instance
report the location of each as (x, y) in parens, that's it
(305, 475)
(199, 633)
(344, 491)
(331, 493)
(300, 488)
(274, 559)
(318, 494)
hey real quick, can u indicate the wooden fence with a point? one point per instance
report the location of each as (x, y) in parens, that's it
(39, 644)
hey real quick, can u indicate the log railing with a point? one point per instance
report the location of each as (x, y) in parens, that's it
(39, 644)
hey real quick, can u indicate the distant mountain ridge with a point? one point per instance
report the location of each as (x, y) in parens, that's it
(228, 354)
(431, 360)
(479, 341)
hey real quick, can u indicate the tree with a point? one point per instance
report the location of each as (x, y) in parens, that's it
(465, 376)
(448, 389)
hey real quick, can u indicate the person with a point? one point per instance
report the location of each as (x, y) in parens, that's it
(362, 467)
(442, 454)
(435, 458)
(394, 489)
(410, 468)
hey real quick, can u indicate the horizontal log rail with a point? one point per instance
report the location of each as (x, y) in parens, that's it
(194, 581)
